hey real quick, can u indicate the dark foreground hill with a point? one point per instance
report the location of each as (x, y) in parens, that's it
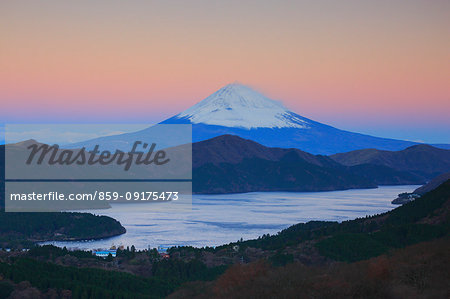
(433, 184)
(372, 257)
(417, 271)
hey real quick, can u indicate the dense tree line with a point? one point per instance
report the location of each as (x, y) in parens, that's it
(84, 282)
(98, 283)
(51, 252)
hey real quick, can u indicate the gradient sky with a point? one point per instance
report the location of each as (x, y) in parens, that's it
(377, 67)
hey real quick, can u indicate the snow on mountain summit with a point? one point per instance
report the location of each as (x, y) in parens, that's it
(237, 105)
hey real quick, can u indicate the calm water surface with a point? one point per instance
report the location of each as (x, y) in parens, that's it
(220, 219)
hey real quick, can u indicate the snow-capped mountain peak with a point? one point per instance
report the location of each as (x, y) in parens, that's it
(237, 105)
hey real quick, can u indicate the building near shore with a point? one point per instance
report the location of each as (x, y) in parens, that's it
(105, 253)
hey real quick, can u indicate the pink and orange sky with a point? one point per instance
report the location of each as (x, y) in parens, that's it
(377, 67)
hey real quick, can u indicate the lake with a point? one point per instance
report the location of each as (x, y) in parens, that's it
(225, 218)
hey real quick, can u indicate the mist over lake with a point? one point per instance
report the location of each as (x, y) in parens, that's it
(220, 219)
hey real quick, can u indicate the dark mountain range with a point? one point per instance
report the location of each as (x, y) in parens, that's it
(385, 175)
(231, 164)
(421, 160)
(228, 163)
(233, 149)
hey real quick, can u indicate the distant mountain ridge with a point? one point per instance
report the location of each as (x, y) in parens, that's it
(423, 160)
(229, 163)
(237, 149)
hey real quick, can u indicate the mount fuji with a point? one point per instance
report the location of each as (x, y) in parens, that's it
(239, 106)
(239, 110)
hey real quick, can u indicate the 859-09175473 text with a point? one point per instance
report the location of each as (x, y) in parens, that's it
(97, 195)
